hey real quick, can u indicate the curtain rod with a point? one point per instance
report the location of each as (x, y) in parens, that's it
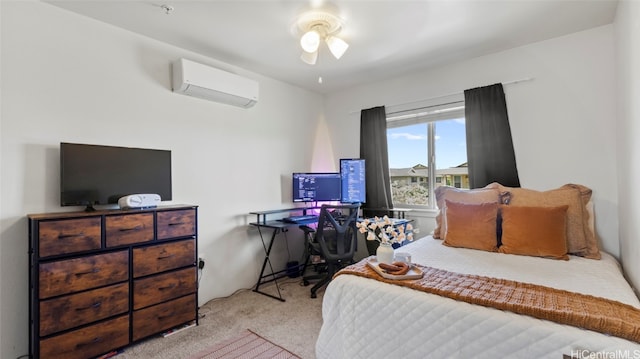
(451, 94)
(424, 107)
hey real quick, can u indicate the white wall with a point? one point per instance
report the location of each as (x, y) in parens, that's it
(70, 78)
(562, 121)
(627, 27)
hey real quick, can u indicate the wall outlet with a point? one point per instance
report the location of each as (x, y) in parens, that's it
(200, 262)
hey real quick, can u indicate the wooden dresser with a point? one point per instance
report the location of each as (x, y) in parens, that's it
(102, 280)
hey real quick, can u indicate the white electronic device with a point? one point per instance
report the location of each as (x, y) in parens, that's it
(209, 83)
(142, 200)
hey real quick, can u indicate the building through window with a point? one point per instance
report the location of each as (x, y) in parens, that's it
(427, 148)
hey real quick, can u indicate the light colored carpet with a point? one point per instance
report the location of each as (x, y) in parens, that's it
(246, 345)
(293, 324)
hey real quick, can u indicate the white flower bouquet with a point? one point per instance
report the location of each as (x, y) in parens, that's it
(384, 230)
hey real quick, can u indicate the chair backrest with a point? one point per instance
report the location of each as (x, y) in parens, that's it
(337, 233)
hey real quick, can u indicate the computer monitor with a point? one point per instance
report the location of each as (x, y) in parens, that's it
(353, 182)
(316, 187)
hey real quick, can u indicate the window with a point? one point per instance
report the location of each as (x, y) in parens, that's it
(457, 181)
(427, 148)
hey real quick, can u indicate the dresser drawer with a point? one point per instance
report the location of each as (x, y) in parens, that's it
(87, 342)
(162, 257)
(73, 275)
(69, 236)
(175, 224)
(128, 229)
(163, 316)
(83, 308)
(159, 288)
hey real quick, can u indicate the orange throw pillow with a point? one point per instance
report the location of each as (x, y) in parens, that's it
(471, 225)
(534, 231)
(581, 239)
(466, 196)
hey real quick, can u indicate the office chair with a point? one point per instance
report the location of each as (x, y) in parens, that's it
(335, 240)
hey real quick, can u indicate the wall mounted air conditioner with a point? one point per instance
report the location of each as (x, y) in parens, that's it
(197, 80)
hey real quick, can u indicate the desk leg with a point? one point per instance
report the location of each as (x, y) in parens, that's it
(267, 252)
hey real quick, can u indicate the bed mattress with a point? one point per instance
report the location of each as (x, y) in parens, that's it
(365, 318)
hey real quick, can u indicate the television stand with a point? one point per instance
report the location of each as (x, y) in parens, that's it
(104, 280)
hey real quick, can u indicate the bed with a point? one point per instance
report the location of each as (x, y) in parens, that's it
(367, 318)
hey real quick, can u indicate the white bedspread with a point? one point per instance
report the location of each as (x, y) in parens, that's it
(364, 318)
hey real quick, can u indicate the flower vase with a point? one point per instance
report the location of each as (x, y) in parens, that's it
(384, 253)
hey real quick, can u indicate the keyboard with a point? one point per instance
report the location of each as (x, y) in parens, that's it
(300, 219)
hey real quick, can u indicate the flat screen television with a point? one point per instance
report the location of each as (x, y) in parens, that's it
(353, 181)
(98, 175)
(316, 187)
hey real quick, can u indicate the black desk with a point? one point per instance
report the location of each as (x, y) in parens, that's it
(276, 227)
(264, 223)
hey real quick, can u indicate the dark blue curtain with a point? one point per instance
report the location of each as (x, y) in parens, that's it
(490, 151)
(373, 149)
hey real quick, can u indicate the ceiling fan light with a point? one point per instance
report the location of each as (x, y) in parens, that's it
(337, 46)
(310, 41)
(309, 57)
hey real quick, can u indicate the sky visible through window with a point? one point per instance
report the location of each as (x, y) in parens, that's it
(407, 145)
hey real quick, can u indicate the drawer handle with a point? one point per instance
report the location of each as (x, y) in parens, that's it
(92, 306)
(163, 317)
(166, 256)
(170, 286)
(136, 228)
(176, 224)
(65, 236)
(92, 271)
(91, 342)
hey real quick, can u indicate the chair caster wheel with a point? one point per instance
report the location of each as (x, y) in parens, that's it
(305, 283)
(313, 295)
